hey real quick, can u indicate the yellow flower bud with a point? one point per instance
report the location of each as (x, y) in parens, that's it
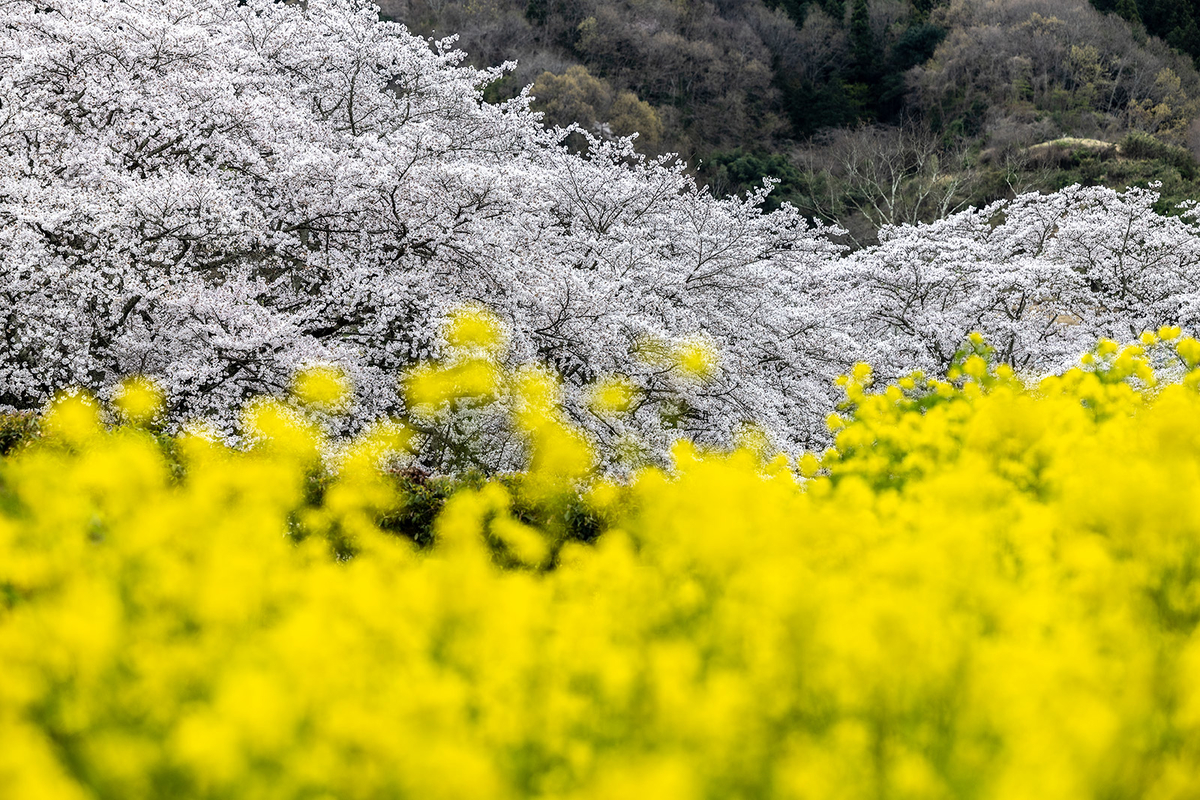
(322, 388)
(475, 328)
(696, 358)
(139, 400)
(976, 367)
(612, 396)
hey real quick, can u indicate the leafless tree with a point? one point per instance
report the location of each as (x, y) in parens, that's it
(888, 175)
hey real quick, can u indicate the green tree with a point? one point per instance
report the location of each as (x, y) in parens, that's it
(795, 9)
(1128, 9)
(1186, 37)
(574, 96)
(578, 96)
(629, 114)
(921, 9)
(537, 11)
(862, 39)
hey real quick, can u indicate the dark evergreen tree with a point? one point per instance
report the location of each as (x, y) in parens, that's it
(1127, 9)
(796, 9)
(835, 8)
(921, 9)
(862, 40)
(537, 11)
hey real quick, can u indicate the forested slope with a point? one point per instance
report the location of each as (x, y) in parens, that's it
(1175, 21)
(955, 97)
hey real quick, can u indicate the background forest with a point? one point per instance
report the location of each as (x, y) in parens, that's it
(868, 112)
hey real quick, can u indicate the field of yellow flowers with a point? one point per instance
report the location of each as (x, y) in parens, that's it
(986, 590)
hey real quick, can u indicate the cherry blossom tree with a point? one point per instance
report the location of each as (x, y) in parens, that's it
(215, 193)
(1041, 276)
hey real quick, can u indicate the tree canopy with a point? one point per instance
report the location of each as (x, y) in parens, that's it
(215, 193)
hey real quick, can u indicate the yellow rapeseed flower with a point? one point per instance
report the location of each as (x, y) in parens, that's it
(73, 417)
(1169, 332)
(612, 395)
(475, 328)
(993, 595)
(696, 357)
(975, 367)
(139, 400)
(1189, 350)
(322, 387)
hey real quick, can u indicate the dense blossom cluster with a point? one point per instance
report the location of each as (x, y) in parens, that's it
(216, 193)
(1042, 276)
(985, 590)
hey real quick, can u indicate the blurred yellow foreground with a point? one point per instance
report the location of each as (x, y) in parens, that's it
(986, 590)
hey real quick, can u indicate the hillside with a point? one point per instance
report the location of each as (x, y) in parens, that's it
(869, 112)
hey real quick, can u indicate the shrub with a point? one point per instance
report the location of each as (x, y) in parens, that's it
(16, 429)
(1143, 146)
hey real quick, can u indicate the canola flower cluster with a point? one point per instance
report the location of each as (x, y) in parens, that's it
(984, 590)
